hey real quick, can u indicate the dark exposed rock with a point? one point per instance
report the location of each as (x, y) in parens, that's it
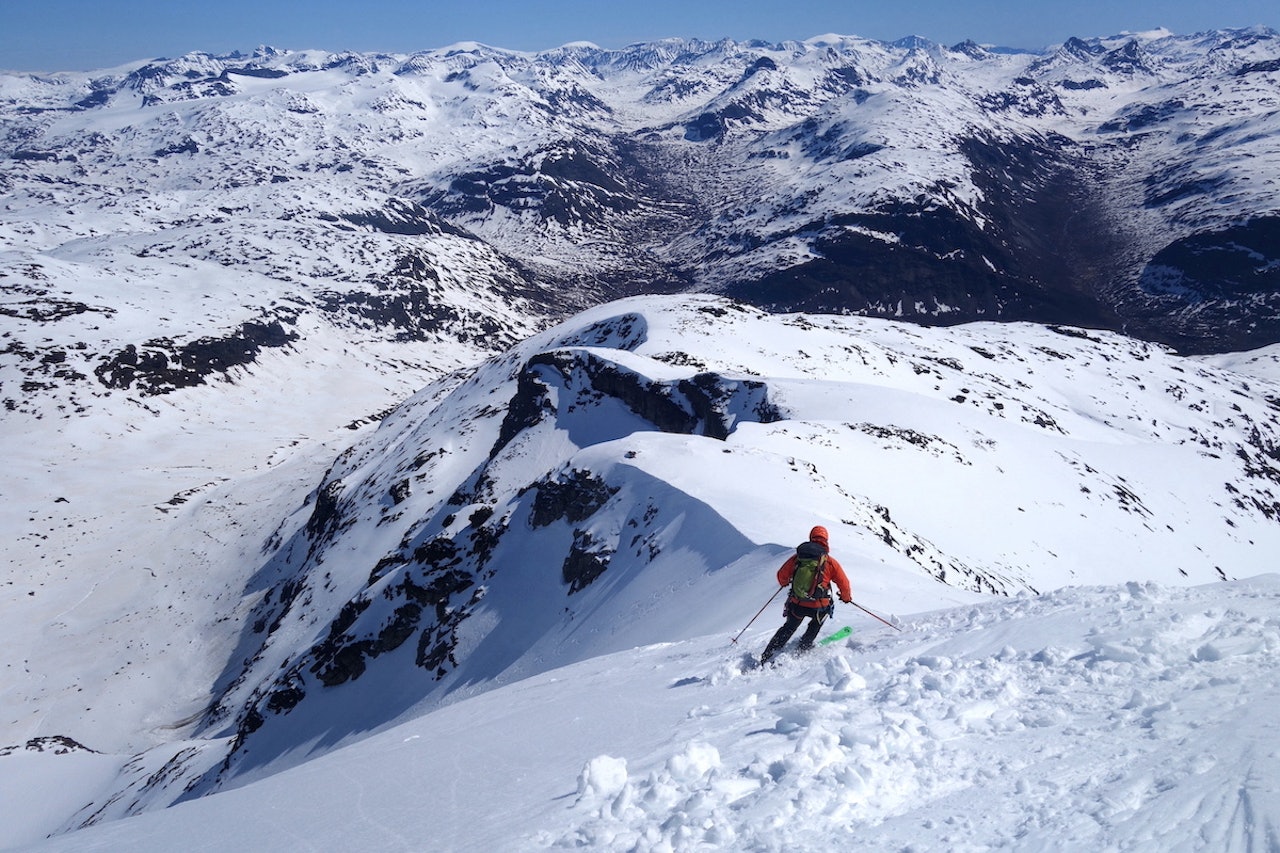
(271, 611)
(944, 268)
(436, 643)
(438, 585)
(438, 552)
(1144, 117)
(527, 408)
(437, 588)
(31, 155)
(286, 697)
(56, 744)
(212, 87)
(573, 497)
(338, 661)
(764, 63)
(326, 514)
(404, 218)
(1082, 49)
(574, 183)
(706, 404)
(401, 491)
(1126, 59)
(48, 310)
(1168, 189)
(161, 365)
(98, 98)
(264, 73)
(718, 403)
(1201, 281)
(586, 561)
(1083, 84)
(652, 401)
(427, 586)
(1233, 262)
(1266, 66)
(412, 312)
(971, 49)
(347, 617)
(705, 127)
(1029, 99)
(186, 146)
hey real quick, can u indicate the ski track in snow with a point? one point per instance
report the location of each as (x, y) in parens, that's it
(1128, 718)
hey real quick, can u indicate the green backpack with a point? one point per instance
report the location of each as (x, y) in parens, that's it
(806, 583)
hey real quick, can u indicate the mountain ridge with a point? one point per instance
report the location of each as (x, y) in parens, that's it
(583, 484)
(795, 175)
(323, 388)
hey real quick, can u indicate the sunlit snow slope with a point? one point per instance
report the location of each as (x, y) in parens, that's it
(1136, 716)
(239, 534)
(631, 477)
(634, 476)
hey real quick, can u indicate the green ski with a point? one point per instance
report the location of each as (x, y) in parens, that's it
(838, 635)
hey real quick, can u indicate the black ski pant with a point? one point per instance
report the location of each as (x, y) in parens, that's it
(796, 613)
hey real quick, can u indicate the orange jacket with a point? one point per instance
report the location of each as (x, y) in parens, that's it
(832, 571)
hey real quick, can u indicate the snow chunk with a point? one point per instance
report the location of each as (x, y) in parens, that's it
(602, 779)
(695, 764)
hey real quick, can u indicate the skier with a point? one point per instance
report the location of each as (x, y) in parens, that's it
(809, 572)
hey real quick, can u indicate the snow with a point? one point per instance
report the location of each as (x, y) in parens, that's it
(1261, 363)
(1130, 705)
(999, 458)
(914, 446)
(412, 124)
(1134, 716)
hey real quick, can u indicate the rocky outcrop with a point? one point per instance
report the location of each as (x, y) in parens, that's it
(706, 404)
(161, 365)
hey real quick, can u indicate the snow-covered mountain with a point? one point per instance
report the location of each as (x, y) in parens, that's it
(1116, 183)
(635, 475)
(619, 451)
(298, 455)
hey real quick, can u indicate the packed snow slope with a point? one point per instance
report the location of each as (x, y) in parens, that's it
(635, 475)
(1128, 717)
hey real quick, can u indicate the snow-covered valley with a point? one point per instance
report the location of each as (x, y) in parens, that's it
(345, 508)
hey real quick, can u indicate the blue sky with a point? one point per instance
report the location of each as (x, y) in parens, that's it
(50, 35)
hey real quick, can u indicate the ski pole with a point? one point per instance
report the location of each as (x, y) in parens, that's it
(872, 615)
(757, 616)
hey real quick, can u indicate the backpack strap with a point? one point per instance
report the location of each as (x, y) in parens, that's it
(818, 585)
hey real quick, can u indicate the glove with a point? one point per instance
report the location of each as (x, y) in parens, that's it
(844, 600)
